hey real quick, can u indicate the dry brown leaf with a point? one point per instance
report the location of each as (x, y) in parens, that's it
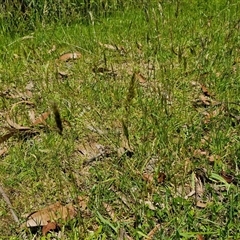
(205, 100)
(148, 177)
(12, 123)
(200, 177)
(122, 235)
(31, 114)
(195, 84)
(51, 226)
(108, 46)
(151, 165)
(200, 237)
(200, 204)
(213, 158)
(29, 86)
(3, 151)
(14, 94)
(229, 178)
(199, 188)
(161, 177)
(114, 47)
(7, 136)
(41, 119)
(52, 213)
(140, 78)
(63, 74)
(70, 56)
(205, 91)
(82, 202)
(149, 204)
(90, 149)
(151, 234)
(122, 197)
(15, 125)
(199, 152)
(110, 211)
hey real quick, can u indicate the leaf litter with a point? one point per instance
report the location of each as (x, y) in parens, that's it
(53, 213)
(205, 101)
(70, 56)
(34, 123)
(50, 218)
(3, 151)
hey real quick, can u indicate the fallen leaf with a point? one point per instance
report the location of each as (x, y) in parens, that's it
(14, 94)
(205, 100)
(15, 125)
(114, 47)
(51, 226)
(70, 56)
(41, 119)
(141, 79)
(12, 123)
(229, 178)
(199, 177)
(108, 46)
(205, 91)
(151, 234)
(6, 136)
(53, 213)
(90, 149)
(110, 211)
(82, 202)
(31, 114)
(150, 205)
(3, 151)
(62, 74)
(147, 177)
(200, 237)
(29, 86)
(123, 198)
(161, 177)
(211, 159)
(199, 152)
(195, 84)
(122, 235)
(200, 204)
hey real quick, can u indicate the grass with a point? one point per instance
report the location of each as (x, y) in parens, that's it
(179, 121)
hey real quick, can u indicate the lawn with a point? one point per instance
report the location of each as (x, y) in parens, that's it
(128, 120)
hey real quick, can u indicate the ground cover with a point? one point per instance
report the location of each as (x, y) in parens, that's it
(130, 123)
